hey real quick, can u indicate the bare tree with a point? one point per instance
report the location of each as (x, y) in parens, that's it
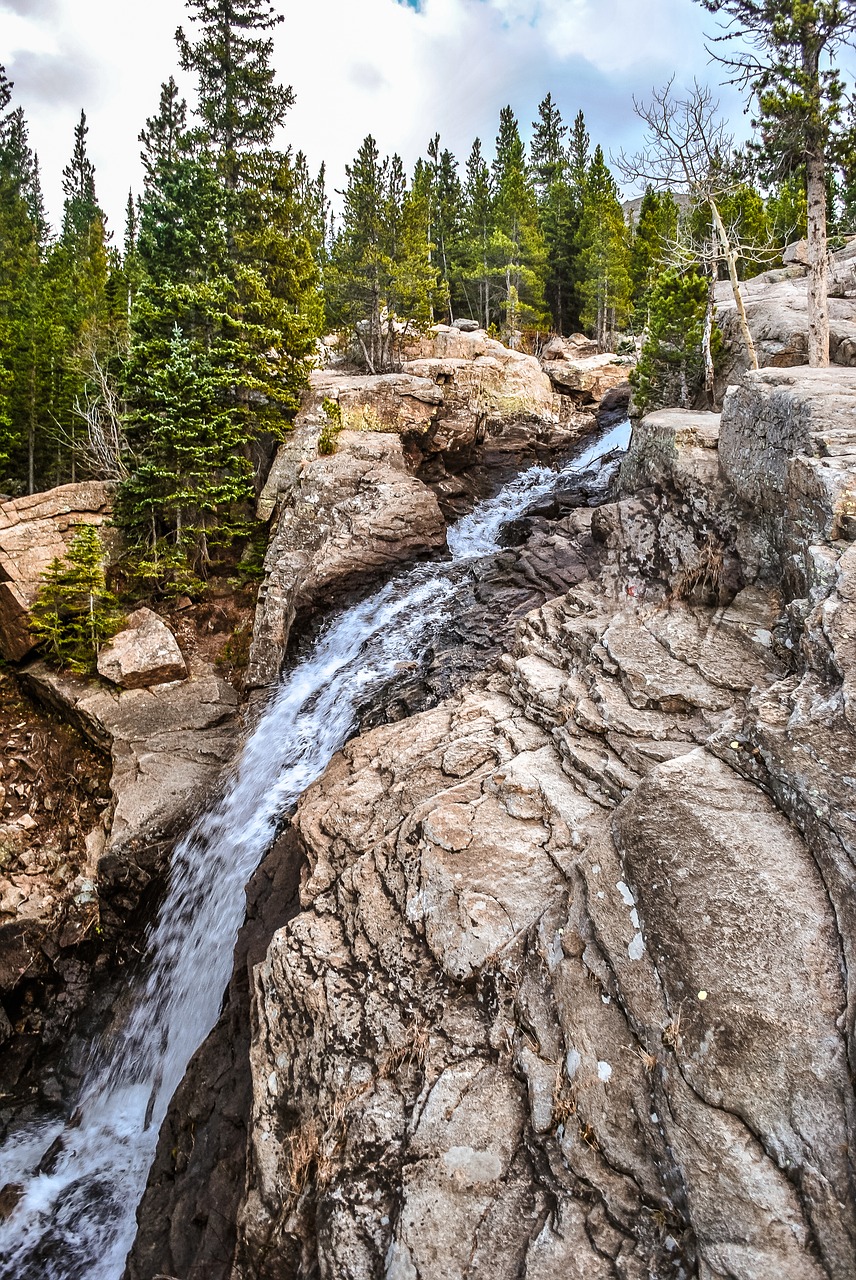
(687, 144)
(102, 449)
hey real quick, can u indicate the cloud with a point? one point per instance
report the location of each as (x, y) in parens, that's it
(394, 68)
(31, 8)
(55, 81)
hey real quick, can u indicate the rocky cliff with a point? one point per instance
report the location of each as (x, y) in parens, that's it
(569, 987)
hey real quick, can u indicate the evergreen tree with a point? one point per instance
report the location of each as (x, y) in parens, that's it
(444, 193)
(656, 230)
(74, 614)
(26, 329)
(517, 251)
(478, 225)
(604, 253)
(77, 274)
(228, 311)
(558, 212)
(380, 280)
(192, 484)
(240, 103)
(671, 365)
(163, 133)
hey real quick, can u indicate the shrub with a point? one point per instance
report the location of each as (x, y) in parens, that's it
(332, 426)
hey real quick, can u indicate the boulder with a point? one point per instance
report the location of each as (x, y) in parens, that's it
(144, 653)
(776, 306)
(796, 254)
(342, 519)
(587, 378)
(34, 531)
(168, 743)
(466, 326)
(576, 347)
(481, 379)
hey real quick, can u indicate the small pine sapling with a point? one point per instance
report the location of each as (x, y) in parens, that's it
(74, 613)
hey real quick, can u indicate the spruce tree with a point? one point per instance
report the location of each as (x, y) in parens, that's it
(380, 281)
(670, 370)
(517, 250)
(654, 235)
(74, 613)
(558, 213)
(479, 220)
(27, 330)
(228, 310)
(605, 254)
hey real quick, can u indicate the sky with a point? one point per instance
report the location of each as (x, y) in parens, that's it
(399, 69)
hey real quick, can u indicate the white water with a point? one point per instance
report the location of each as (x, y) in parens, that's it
(77, 1222)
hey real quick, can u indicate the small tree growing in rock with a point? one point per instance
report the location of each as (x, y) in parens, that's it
(74, 613)
(671, 365)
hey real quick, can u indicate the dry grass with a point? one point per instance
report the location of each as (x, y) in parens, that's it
(706, 577)
(672, 1033)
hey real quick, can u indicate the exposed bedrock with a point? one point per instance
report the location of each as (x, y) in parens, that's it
(776, 305)
(409, 450)
(569, 990)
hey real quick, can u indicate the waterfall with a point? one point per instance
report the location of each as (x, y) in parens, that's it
(76, 1218)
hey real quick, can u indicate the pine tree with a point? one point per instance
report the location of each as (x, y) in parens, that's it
(228, 309)
(654, 233)
(605, 255)
(670, 370)
(479, 221)
(380, 281)
(240, 103)
(517, 251)
(163, 133)
(26, 331)
(74, 613)
(192, 485)
(443, 191)
(558, 213)
(77, 275)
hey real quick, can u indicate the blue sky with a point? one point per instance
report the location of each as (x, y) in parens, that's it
(400, 69)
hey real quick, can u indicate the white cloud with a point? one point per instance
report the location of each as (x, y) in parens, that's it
(357, 67)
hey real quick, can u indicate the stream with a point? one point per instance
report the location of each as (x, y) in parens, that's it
(83, 1178)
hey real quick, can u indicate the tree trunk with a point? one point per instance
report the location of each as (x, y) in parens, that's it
(707, 337)
(818, 267)
(730, 256)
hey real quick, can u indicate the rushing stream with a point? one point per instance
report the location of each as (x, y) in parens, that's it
(76, 1219)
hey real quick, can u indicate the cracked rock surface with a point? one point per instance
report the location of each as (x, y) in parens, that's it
(569, 992)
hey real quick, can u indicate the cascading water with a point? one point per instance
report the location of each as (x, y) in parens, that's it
(76, 1217)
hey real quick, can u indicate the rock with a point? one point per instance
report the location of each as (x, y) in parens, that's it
(796, 254)
(344, 519)
(777, 312)
(466, 326)
(588, 378)
(482, 381)
(398, 402)
(143, 653)
(168, 745)
(569, 986)
(34, 531)
(576, 347)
